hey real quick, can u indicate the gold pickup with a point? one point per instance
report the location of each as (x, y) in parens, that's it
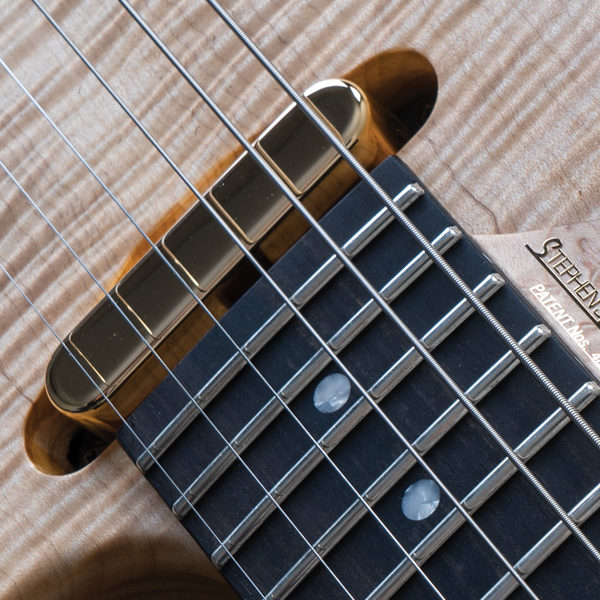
(116, 358)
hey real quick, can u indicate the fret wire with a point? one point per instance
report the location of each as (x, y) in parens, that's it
(130, 323)
(305, 374)
(305, 105)
(351, 417)
(550, 542)
(117, 413)
(482, 492)
(403, 463)
(272, 325)
(420, 238)
(334, 247)
(218, 324)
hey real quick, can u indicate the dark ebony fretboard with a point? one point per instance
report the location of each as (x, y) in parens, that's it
(229, 502)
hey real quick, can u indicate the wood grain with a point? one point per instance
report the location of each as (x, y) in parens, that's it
(511, 146)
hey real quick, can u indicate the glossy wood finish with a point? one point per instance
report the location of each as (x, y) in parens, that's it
(512, 145)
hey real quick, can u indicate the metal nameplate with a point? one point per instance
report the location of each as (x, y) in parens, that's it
(570, 277)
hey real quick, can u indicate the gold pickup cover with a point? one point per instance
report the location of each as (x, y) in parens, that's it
(116, 359)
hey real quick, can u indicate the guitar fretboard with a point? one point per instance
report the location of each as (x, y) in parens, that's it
(272, 477)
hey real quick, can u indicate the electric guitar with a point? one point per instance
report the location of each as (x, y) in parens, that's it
(499, 105)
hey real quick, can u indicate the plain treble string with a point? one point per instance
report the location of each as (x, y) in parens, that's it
(422, 351)
(107, 295)
(279, 291)
(114, 408)
(122, 419)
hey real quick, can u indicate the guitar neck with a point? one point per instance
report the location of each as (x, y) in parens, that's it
(254, 469)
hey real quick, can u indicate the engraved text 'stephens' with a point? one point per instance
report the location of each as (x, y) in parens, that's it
(570, 277)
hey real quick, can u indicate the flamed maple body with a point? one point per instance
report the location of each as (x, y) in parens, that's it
(510, 147)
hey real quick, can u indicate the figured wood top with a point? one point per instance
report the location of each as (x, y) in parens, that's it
(511, 146)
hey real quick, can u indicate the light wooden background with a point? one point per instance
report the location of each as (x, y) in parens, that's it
(512, 145)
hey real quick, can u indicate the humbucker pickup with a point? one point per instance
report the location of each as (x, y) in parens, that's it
(150, 308)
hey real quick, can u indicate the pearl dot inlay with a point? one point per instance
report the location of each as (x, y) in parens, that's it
(420, 499)
(332, 393)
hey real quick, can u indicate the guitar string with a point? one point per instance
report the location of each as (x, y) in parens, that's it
(238, 349)
(524, 470)
(177, 488)
(305, 105)
(562, 514)
(351, 376)
(109, 402)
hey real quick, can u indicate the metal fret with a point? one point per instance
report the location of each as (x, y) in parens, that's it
(538, 553)
(392, 377)
(338, 341)
(398, 469)
(482, 493)
(275, 323)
